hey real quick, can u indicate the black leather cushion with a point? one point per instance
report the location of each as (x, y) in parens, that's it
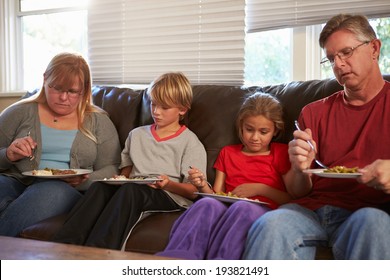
(122, 105)
(151, 235)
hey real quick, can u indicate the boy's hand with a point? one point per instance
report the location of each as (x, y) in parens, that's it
(197, 178)
(160, 184)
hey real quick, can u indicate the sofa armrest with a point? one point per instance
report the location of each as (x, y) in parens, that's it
(45, 229)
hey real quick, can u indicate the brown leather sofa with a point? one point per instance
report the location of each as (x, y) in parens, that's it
(212, 118)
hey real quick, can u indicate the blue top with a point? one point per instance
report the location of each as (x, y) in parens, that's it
(56, 145)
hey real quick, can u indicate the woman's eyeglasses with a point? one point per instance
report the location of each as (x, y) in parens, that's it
(70, 92)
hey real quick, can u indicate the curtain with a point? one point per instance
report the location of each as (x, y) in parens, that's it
(132, 42)
(275, 14)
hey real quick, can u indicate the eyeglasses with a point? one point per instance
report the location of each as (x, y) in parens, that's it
(343, 54)
(70, 92)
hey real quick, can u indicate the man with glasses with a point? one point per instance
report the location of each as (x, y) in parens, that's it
(350, 128)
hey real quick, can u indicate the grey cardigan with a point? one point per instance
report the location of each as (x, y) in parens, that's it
(102, 157)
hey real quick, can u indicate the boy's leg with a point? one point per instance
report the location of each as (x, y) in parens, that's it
(84, 214)
(123, 211)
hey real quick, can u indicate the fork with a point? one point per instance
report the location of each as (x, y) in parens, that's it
(312, 147)
(33, 150)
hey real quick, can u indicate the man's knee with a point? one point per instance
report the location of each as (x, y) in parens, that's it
(370, 217)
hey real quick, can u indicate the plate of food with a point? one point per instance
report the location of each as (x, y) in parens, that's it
(335, 172)
(52, 173)
(229, 198)
(119, 180)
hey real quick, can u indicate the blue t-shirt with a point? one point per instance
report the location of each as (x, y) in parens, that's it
(56, 145)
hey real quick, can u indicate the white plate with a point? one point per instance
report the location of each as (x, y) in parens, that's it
(321, 173)
(79, 172)
(229, 199)
(145, 181)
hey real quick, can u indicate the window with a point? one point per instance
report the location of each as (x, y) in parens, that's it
(265, 19)
(135, 41)
(269, 54)
(280, 43)
(49, 27)
(268, 57)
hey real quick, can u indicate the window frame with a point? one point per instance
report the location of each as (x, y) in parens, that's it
(11, 81)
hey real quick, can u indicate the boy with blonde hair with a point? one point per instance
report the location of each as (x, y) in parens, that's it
(106, 215)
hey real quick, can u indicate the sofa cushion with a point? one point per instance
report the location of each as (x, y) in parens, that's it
(122, 105)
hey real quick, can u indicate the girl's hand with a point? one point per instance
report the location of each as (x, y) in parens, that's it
(245, 191)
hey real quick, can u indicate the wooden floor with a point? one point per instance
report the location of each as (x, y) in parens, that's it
(12, 248)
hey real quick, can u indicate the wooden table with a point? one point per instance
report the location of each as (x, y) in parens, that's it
(12, 248)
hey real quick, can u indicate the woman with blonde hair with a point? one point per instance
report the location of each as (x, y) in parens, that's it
(58, 128)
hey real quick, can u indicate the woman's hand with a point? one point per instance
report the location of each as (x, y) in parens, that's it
(74, 181)
(21, 148)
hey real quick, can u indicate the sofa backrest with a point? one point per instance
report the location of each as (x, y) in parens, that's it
(214, 110)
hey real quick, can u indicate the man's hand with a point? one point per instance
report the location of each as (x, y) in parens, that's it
(376, 175)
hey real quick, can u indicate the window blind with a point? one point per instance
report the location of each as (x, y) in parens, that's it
(274, 14)
(132, 42)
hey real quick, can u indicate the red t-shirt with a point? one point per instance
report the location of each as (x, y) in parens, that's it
(267, 169)
(350, 136)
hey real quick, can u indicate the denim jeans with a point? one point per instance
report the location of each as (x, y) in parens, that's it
(22, 206)
(292, 232)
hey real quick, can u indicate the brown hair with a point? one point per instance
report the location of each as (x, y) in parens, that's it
(356, 24)
(263, 104)
(63, 69)
(172, 90)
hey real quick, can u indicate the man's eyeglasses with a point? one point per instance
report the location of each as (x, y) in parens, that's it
(70, 92)
(343, 54)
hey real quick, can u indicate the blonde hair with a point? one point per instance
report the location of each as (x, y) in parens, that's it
(263, 104)
(63, 70)
(172, 90)
(356, 24)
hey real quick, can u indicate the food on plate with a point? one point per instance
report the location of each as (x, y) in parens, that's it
(123, 177)
(341, 169)
(226, 194)
(42, 172)
(138, 177)
(229, 194)
(119, 177)
(52, 171)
